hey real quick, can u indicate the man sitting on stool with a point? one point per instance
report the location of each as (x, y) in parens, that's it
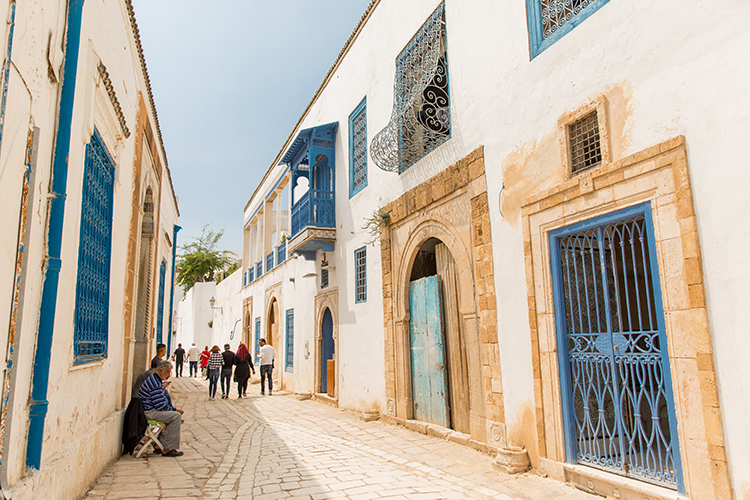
(157, 405)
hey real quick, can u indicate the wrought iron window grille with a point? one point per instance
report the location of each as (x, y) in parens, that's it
(324, 278)
(290, 340)
(360, 274)
(550, 20)
(420, 120)
(585, 143)
(91, 322)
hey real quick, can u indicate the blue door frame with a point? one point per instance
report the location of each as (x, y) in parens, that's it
(327, 348)
(614, 350)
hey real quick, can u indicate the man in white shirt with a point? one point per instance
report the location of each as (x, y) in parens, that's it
(266, 355)
(193, 356)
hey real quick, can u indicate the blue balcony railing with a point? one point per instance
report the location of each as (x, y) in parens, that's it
(281, 253)
(259, 269)
(250, 275)
(315, 208)
(269, 261)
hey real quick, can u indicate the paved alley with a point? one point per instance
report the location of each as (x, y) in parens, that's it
(279, 447)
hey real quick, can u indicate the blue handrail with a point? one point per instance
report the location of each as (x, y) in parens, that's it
(281, 253)
(315, 208)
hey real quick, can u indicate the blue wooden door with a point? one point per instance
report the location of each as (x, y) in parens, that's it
(429, 388)
(327, 349)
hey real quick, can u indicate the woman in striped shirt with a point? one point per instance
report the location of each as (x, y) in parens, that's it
(215, 362)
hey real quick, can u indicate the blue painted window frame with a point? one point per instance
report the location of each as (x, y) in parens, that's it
(569, 426)
(537, 42)
(361, 109)
(160, 306)
(91, 320)
(290, 340)
(360, 275)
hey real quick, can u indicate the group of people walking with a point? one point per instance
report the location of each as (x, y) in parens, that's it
(220, 365)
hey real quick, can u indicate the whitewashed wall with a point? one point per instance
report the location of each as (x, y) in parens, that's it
(667, 68)
(82, 428)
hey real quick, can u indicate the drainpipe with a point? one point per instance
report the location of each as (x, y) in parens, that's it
(56, 216)
(175, 230)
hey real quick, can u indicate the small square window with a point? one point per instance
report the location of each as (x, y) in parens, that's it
(585, 143)
(360, 273)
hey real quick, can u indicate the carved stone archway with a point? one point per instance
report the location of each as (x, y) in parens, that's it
(328, 299)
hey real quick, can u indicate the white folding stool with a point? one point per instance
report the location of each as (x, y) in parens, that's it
(153, 430)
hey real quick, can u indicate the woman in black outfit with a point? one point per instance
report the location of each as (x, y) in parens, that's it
(244, 364)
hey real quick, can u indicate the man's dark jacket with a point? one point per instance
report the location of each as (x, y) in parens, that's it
(134, 425)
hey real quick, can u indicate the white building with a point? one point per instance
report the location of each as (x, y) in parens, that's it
(88, 213)
(561, 264)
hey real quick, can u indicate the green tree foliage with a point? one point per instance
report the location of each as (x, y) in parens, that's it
(200, 261)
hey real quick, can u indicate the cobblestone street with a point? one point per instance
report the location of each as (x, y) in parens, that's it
(279, 447)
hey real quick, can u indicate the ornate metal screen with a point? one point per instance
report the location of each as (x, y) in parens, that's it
(618, 394)
(556, 13)
(585, 144)
(420, 120)
(358, 149)
(94, 254)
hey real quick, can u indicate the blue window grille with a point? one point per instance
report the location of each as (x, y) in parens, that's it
(91, 328)
(420, 119)
(257, 341)
(259, 269)
(250, 275)
(618, 406)
(244, 278)
(358, 149)
(550, 20)
(324, 278)
(290, 340)
(360, 274)
(269, 261)
(281, 253)
(160, 306)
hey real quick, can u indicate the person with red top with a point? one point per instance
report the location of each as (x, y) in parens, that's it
(244, 363)
(204, 361)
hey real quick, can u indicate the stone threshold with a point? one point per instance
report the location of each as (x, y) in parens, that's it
(610, 485)
(325, 398)
(441, 432)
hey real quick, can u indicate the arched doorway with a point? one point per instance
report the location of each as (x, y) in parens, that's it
(327, 351)
(141, 352)
(439, 371)
(272, 326)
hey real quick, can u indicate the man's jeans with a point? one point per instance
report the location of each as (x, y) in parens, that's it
(226, 376)
(193, 368)
(178, 368)
(266, 371)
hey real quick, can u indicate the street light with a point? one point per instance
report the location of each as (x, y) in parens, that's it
(212, 301)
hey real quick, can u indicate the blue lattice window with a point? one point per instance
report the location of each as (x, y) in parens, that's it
(358, 149)
(160, 306)
(550, 20)
(360, 274)
(91, 323)
(290, 340)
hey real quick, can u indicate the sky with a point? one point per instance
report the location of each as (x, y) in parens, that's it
(230, 79)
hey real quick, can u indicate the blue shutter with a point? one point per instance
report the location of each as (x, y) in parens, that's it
(160, 306)
(91, 322)
(358, 149)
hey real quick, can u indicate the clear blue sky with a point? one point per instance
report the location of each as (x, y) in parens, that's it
(230, 79)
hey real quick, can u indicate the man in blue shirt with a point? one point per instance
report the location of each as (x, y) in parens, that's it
(157, 405)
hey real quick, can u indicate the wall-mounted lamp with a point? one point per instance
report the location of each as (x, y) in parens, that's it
(212, 301)
(291, 279)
